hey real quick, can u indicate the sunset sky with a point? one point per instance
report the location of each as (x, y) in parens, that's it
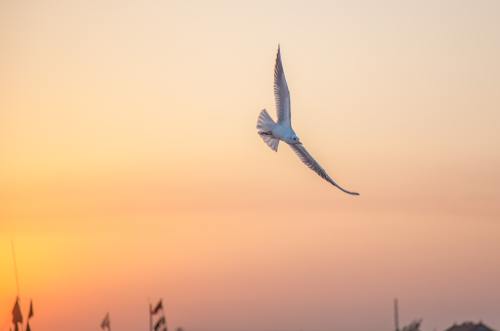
(130, 167)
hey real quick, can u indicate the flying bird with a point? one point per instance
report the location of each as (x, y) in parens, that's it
(272, 132)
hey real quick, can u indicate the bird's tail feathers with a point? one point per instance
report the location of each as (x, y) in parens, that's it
(270, 141)
(265, 125)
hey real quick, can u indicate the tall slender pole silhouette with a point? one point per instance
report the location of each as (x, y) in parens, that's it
(150, 317)
(396, 314)
(17, 316)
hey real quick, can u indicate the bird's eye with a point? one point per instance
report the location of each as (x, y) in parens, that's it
(294, 138)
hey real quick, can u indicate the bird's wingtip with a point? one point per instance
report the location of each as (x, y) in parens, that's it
(344, 190)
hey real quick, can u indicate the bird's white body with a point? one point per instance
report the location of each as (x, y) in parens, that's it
(283, 132)
(273, 132)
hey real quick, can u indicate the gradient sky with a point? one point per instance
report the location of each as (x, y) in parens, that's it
(131, 168)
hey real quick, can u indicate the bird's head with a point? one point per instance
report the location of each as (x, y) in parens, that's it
(293, 139)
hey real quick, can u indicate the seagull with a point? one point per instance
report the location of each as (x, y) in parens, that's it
(272, 132)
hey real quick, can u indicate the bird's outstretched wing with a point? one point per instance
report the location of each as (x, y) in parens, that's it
(281, 93)
(309, 161)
